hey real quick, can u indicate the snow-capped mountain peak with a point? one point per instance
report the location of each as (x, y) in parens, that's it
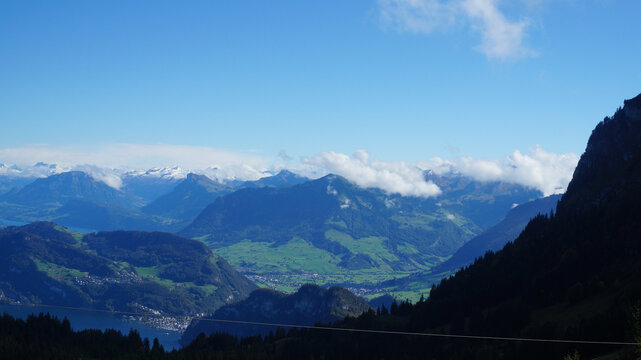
(176, 173)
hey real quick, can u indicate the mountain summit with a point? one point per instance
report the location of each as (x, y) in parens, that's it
(60, 188)
(188, 198)
(309, 305)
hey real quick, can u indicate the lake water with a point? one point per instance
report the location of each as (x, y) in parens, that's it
(81, 320)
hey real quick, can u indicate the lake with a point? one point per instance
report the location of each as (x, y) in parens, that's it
(81, 320)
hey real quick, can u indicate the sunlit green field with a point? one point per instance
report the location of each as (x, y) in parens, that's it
(288, 266)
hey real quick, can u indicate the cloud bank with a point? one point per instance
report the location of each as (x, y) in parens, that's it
(547, 172)
(500, 37)
(396, 177)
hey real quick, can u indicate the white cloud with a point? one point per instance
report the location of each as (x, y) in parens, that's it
(108, 176)
(390, 203)
(331, 190)
(500, 37)
(548, 172)
(392, 177)
(417, 16)
(345, 204)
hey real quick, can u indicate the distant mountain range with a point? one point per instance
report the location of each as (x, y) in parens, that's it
(9, 183)
(309, 305)
(44, 263)
(327, 231)
(57, 189)
(486, 203)
(157, 199)
(38, 170)
(186, 200)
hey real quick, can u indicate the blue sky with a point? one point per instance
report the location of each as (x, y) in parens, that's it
(405, 80)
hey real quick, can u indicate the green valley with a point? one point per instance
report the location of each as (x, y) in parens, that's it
(332, 232)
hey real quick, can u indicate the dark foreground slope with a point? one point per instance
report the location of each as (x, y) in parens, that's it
(495, 238)
(309, 305)
(573, 275)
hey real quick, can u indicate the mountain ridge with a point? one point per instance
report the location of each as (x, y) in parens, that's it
(44, 263)
(309, 305)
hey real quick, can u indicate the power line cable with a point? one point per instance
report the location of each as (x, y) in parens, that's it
(352, 330)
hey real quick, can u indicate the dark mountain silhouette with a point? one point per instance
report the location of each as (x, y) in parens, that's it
(382, 301)
(494, 238)
(57, 189)
(309, 305)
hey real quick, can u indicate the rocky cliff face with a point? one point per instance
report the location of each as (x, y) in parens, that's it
(610, 163)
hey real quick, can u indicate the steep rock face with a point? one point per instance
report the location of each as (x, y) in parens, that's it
(309, 305)
(611, 160)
